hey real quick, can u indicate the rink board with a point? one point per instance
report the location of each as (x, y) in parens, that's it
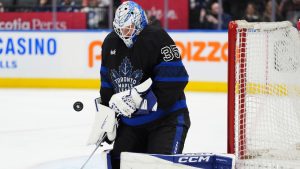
(72, 59)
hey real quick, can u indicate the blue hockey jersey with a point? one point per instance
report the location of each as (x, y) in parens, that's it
(154, 55)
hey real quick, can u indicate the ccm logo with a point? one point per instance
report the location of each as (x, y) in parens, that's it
(193, 159)
(203, 51)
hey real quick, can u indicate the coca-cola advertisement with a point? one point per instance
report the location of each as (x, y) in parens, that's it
(42, 21)
(177, 12)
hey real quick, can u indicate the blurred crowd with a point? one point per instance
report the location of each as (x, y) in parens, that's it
(203, 14)
(97, 10)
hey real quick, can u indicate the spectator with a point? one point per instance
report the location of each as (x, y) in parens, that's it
(154, 21)
(44, 6)
(97, 11)
(101, 3)
(267, 15)
(84, 3)
(117, 3)
(197, 10)
(104, 3)
(290, 10)
(1, 7)
(211, 19)
(68, 6)
(251, 13)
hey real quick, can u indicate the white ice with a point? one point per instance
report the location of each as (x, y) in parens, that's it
(40, 130)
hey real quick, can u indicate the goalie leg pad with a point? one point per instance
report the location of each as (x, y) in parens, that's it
(112, 135)
(104, 122)
(178, 161)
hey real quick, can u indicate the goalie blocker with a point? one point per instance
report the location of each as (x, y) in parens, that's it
(178, 161)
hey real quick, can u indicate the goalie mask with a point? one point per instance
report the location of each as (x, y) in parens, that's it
(130, 20)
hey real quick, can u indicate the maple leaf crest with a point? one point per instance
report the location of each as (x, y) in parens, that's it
(125, 78)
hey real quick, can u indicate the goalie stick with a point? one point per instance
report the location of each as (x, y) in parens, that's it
(97, 146)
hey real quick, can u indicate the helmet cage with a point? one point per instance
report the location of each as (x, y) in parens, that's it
(130, 20)
(126, 33)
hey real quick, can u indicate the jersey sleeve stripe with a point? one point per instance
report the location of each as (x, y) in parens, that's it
(171, 79)
(171, 72)
(104, 77)
(153, 115)
(105, 84)
(162, 64)
(104, 70)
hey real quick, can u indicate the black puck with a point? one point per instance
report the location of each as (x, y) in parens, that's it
(78, 106)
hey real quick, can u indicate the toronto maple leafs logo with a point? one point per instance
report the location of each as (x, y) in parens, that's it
(125, 78)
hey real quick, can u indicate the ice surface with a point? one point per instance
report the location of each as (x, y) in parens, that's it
(40, 130)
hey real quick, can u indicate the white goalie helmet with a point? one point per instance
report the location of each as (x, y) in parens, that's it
(130, 19)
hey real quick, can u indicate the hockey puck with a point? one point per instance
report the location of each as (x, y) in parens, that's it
(78, 106)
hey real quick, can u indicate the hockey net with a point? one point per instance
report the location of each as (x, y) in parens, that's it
(264, 94)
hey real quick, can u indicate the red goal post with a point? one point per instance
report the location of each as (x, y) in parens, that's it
(263, 92)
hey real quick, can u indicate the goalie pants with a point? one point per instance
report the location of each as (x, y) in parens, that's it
(165, 136)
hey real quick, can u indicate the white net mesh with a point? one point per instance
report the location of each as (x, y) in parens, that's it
(267, 95)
